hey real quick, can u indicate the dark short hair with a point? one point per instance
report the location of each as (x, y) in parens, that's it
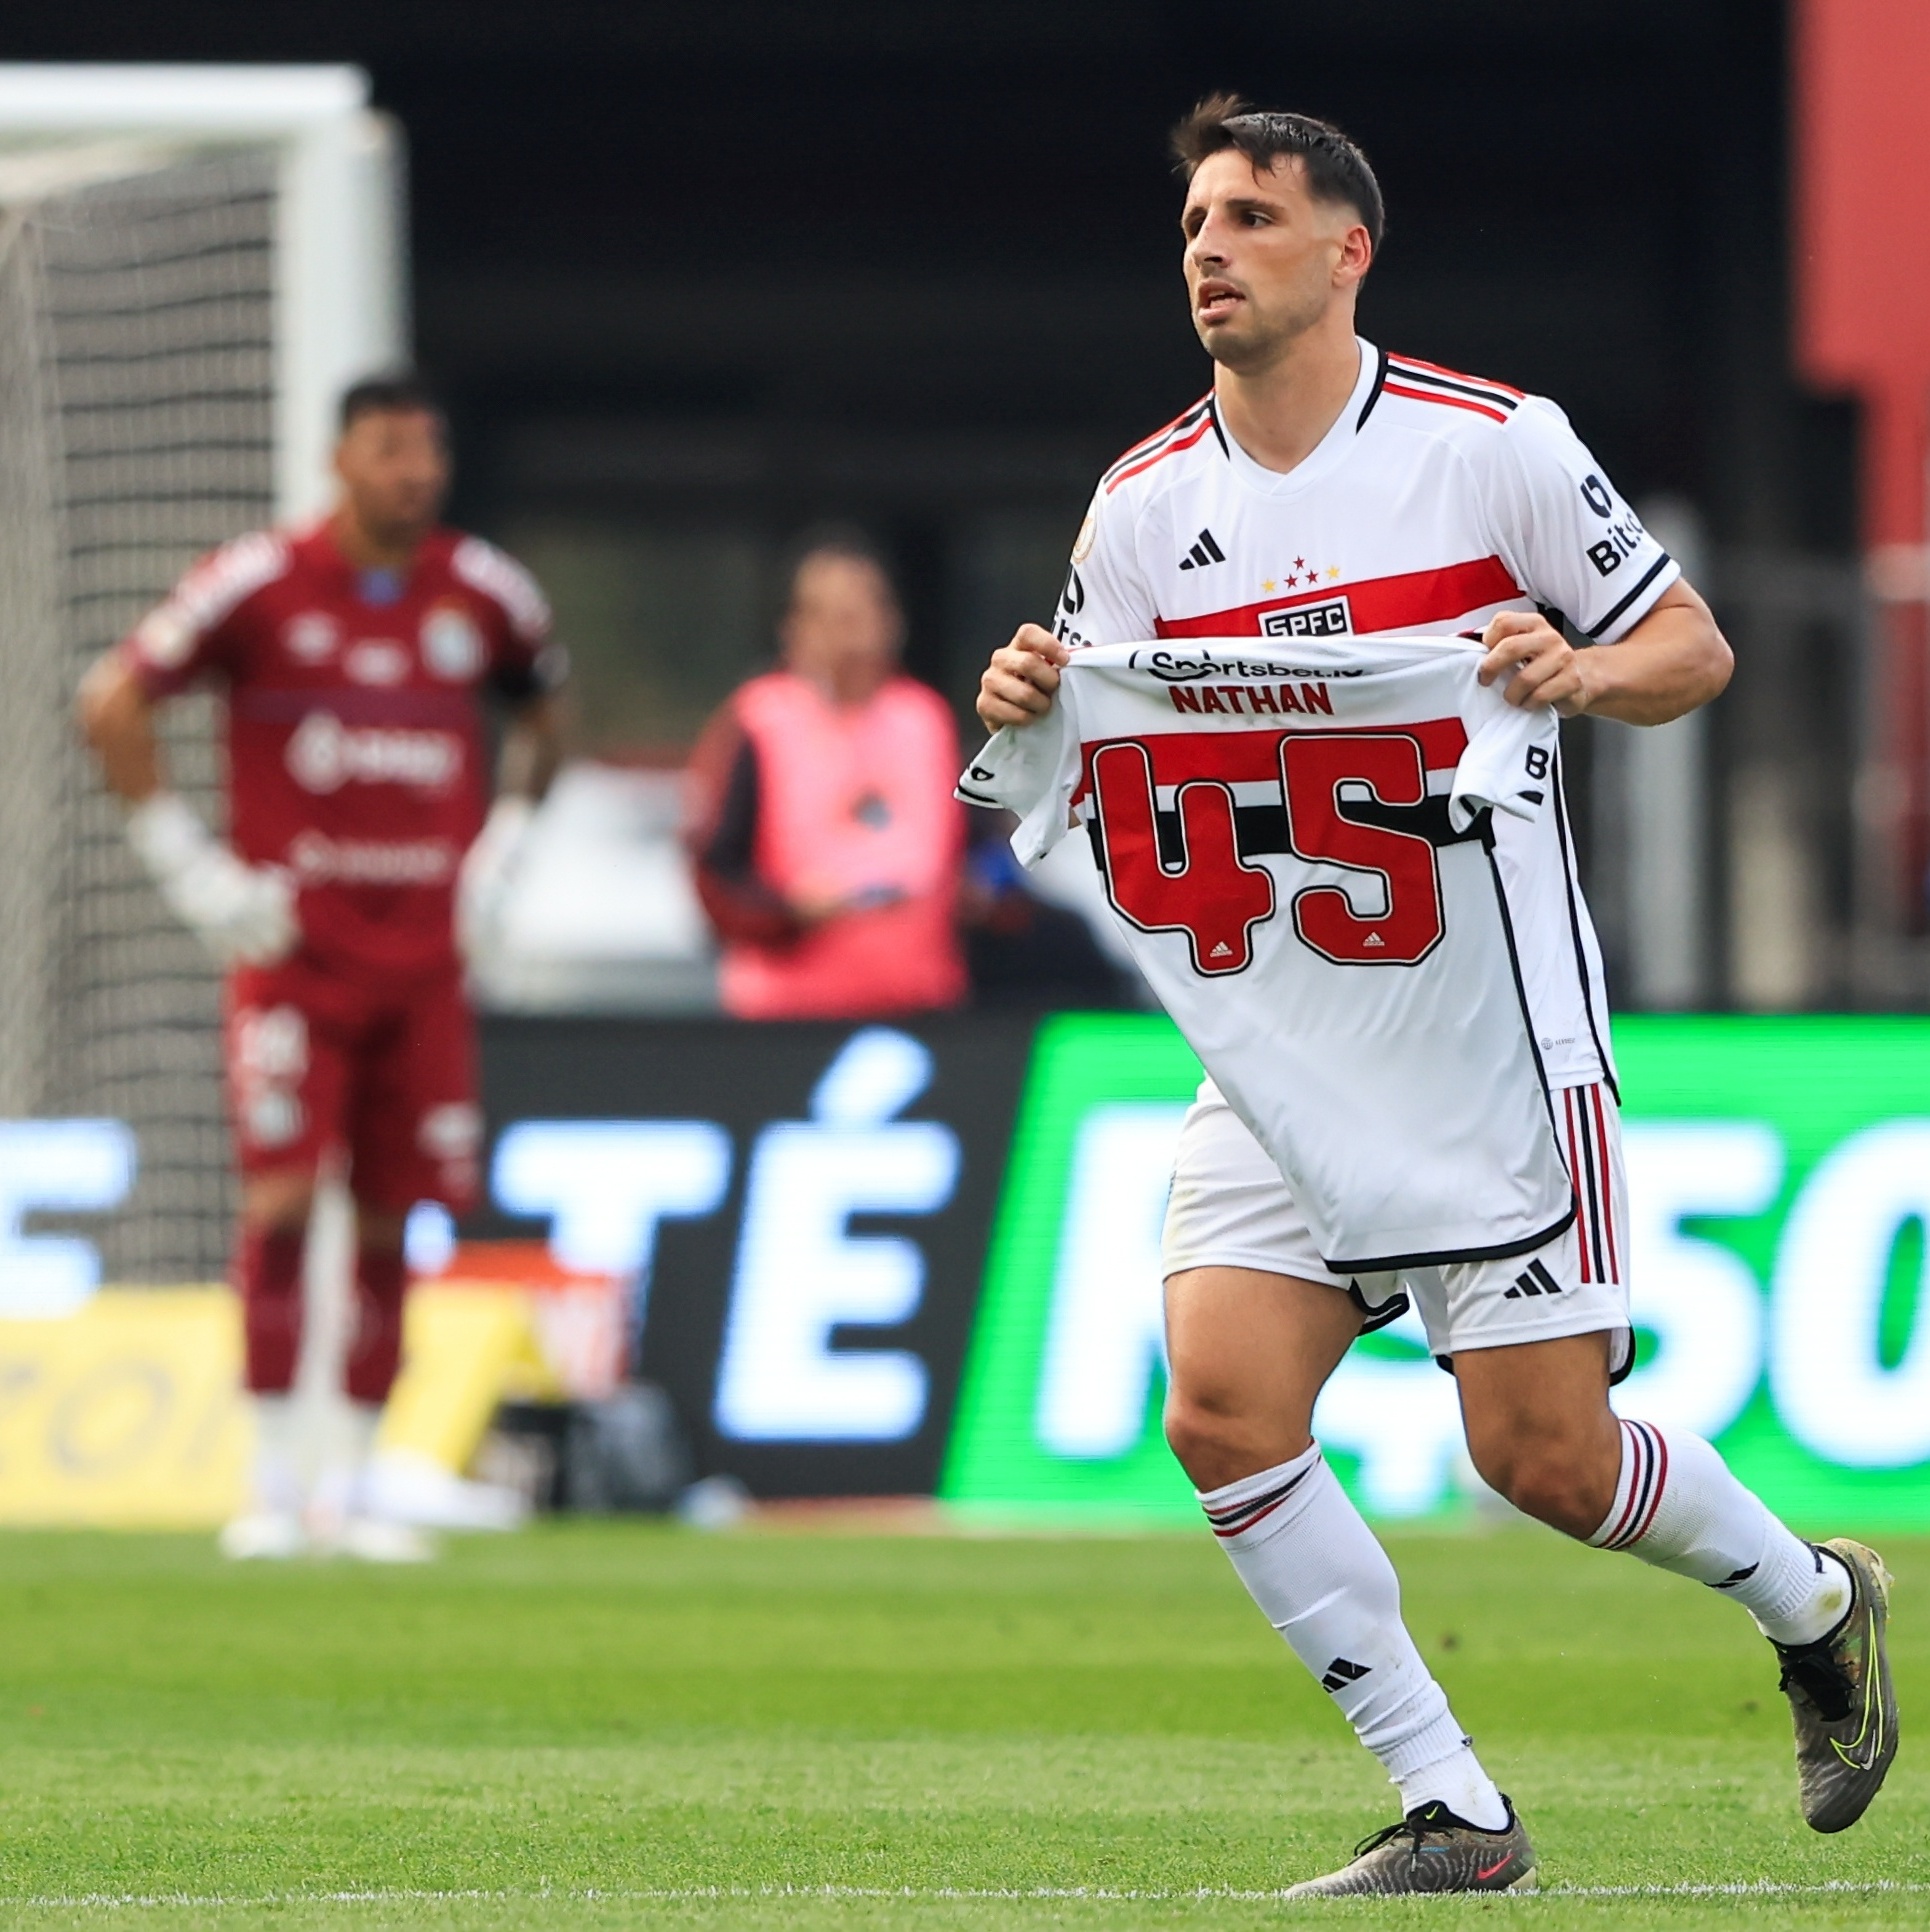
(1336, 168)
(846, 540)
(397, 390)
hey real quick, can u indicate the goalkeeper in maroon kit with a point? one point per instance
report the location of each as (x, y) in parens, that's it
(363, 856)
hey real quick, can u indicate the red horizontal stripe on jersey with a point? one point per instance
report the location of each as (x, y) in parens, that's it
(1450, 402)
(1456, 375)
(1253, 757)
(1408, 602)
(1178, 443)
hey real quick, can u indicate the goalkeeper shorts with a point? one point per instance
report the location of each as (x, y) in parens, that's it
(317, 1061)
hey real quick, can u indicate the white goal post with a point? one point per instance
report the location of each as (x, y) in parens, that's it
(193, 262)
(341, 305)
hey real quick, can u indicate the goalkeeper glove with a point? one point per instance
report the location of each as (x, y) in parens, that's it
(243, 914)
(488, 872)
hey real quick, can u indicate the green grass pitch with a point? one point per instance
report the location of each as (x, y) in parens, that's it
(614, 1724)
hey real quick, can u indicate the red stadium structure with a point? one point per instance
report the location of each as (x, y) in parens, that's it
(1861, 74)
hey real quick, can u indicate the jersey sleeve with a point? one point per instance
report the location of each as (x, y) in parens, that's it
(526, 662)
(1030, 771)
(192, 634)
(1105, 599)
(1509, 760)
(1570, 539)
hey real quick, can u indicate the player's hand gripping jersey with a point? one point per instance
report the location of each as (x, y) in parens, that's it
(1297, 840)
(355, 740)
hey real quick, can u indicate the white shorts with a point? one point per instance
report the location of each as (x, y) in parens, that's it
(1231, 1208)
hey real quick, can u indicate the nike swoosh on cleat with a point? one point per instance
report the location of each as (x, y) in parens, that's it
(1872, 1706)
(1488, 1871)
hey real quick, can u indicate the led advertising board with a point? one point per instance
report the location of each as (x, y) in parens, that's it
(1779, 1183)
(923, 1258)
(802, 1210)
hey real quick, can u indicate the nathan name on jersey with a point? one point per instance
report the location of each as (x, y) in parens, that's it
(1436, 501)
(355, 739)
(1191, 685)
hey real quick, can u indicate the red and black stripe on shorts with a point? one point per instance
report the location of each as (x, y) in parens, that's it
(1582, 1119)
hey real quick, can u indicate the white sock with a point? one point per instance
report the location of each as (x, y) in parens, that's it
(277, 1474)
(1326, 1585)
(341, 1488)
(1677, 1507)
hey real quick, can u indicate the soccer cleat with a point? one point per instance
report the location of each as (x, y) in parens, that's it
(1842, 1699)
(1431, 1850)
(374, 1539)
(269, 1535)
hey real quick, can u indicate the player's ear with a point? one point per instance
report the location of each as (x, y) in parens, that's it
(1356, 254)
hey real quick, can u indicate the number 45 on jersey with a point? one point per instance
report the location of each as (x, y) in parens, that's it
(1182, 817)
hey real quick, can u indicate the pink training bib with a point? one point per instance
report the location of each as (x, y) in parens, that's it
(854, 800)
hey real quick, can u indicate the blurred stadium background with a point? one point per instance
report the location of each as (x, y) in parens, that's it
(693, 278)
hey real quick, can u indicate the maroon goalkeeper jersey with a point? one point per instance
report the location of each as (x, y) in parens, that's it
(355, 736)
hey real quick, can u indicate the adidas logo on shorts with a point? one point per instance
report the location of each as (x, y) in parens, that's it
(1534, 1280)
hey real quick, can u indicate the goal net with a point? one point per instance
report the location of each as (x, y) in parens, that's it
(145, 412)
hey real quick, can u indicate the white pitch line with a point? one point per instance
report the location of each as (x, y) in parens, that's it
(721, 1894)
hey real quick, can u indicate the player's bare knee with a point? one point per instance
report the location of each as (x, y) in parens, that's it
(278, 1203)
(1555, 1486)
(1195, 1435)
(1217, 1444)
(380, 1229)
(1210, 1443)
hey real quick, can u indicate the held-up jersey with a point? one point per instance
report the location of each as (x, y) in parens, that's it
(1297, 839)
(355, 738)
(1434, 502)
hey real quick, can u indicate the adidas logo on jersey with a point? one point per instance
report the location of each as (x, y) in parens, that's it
(1536, 1280)
(1343, 1671)
(1204, 553)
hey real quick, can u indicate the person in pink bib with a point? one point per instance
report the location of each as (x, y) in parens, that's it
(821, 826)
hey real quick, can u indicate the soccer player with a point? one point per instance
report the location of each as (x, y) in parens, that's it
(352, 656)
(1325, 487)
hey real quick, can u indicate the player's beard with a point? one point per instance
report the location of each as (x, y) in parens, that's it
(1258, 339)
(401, 532)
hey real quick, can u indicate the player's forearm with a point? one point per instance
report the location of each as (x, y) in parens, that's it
(532, 752)
(1675, 660)
(118, 724)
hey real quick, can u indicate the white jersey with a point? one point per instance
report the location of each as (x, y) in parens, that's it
(1297, 840)
(1435, 501)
